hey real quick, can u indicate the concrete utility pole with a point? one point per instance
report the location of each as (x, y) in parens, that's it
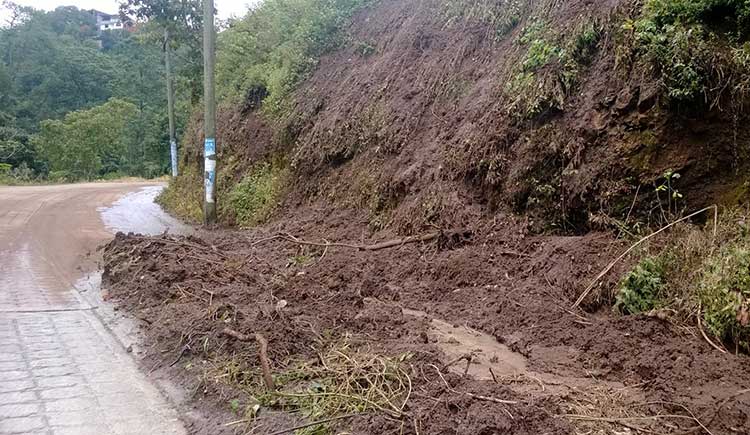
(209, 117)
(170, 103)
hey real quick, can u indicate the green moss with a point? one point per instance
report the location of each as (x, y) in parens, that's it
(736, 196)
(648, 146)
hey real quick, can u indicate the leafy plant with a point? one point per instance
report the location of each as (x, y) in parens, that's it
(683, 39)
(667, 187)
(725, 295)
(640, 289)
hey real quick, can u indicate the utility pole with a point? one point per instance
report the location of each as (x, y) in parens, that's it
(209, 117)
(170, 103)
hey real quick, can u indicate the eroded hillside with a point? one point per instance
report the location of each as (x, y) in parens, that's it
(432, 199)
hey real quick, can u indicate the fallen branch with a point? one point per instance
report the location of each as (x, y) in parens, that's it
(265, 363)
(375, 247)
(638, 243)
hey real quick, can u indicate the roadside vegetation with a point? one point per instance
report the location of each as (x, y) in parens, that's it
(59, 73)
(700, 276)
(263, 56)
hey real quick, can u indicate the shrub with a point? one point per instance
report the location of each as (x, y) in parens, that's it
(641, 287)
(685, 39)
(725, 295)
(252, 200)
(276, 45)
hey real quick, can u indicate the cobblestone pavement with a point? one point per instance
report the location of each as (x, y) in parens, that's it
(61, 370)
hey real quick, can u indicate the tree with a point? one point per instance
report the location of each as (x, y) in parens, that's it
(179, 20)
(87, 143)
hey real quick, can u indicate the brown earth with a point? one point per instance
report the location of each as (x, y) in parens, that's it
(502, 294)
(419, 133)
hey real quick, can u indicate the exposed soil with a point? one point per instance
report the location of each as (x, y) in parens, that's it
(418, 133)
(502, 295)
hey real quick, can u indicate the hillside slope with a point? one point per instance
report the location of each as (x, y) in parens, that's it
(505, 152)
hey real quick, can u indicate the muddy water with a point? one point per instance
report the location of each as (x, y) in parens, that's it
(490, 360)
(137, 212)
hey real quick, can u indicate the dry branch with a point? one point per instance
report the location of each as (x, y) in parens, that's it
(265, 363)
(374, 247)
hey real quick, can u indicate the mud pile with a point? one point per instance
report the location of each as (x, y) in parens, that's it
(429, 123)
(501, 297)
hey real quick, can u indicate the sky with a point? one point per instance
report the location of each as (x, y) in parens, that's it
(225, 8)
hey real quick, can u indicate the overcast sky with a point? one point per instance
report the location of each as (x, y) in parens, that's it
(225, 8)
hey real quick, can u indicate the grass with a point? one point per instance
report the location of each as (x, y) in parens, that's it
(695, 272)
(183, 197)
(502, 17)
(340, 381)
(550, 67)
(251, 201)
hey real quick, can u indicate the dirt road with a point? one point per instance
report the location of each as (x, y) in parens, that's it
(61, 370)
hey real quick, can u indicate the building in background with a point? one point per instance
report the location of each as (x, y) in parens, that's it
(106, 22)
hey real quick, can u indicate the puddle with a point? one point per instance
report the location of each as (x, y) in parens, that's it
(494, 361)
(489, 356)
(138, 213)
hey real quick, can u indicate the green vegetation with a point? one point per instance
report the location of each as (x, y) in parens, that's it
(88, 144)
(699, 47)
(276, 45)
(56, 63)
(184, 197)
(641, 287)
(725, 295)
(252, 200)
(698, 271)
(550, 68)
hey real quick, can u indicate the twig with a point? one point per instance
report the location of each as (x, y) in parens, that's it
(375, 247)
(610, 420)
(473, 396)
(467, 357)
(265, 363)
(315, 423)
(703, 333)
(638, 243)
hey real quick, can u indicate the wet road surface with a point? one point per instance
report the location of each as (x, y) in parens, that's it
(61, 370)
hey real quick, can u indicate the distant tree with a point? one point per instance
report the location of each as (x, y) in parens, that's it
(180, 22)
(89, 143)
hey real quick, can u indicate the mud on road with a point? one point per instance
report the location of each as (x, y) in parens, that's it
(498, 299)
